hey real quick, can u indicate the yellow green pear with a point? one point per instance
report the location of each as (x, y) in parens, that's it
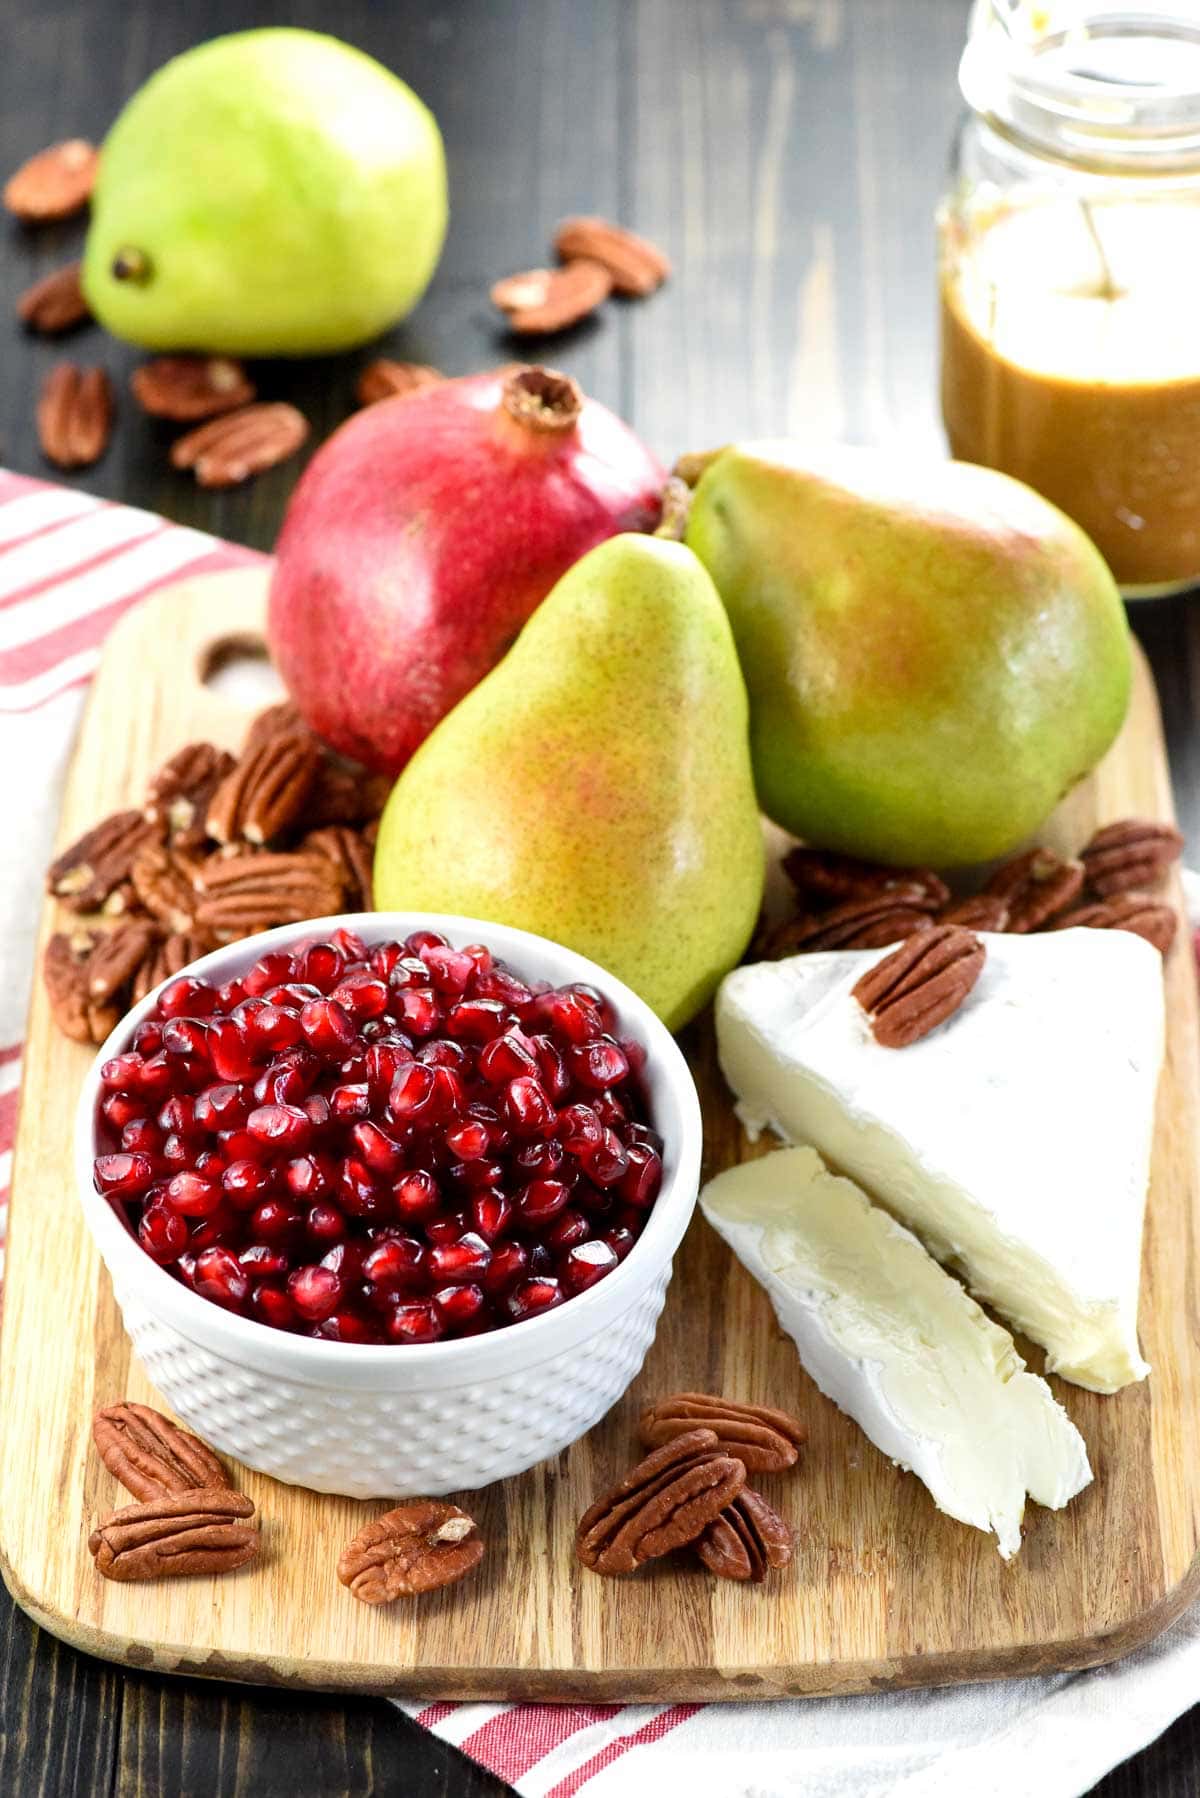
(595, 787)
(934, 653)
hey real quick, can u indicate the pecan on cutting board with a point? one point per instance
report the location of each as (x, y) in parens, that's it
(150, 1455)
(663, 1503)
(419, 1547)
(176, 1533)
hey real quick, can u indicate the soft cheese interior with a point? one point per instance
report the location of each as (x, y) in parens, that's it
(1015, 1139)
(899, 1344)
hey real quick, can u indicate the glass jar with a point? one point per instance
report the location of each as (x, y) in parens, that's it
(1070, 271)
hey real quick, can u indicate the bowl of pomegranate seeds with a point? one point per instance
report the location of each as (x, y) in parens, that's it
(389, 1201)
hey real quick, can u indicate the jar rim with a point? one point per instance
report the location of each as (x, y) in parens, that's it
(1103, 84)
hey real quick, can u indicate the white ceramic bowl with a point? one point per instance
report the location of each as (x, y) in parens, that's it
(423, 1418)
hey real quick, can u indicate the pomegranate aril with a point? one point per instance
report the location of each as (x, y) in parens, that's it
(282, 1127)
(222, 1107)
(526, 1106)
(411, 1098)
(322, 965)
(274, 1028)
(327, 1026)
(442, 1053)
(450, 970)
(229, 995)
(416, 1196)
(579, 1130)
(642, 1133)
(359, 1193)
(275, 1221)
(147, 1038)
(217, 1276)
(345, 1326)
(469, 1141)
(384, 957)
(642, 1178)
(185, 1036)
(384, 1061)
(491, 1214)
(568, 1015)
(507, 1057)
(316, 1292)
(290, 1080)
(607, 1161)
(192, 1195)
(406, 971)
(447, 1227)
(586, 1262)
(598, 1064)
(551, 1067)
(121, 1109)
(599, 1002)
(568, 1228)
(449, 1095)
(123, 1176)
(176, 1152)
(499, 984)
(541, 1261)
(141, 1137)
(509, 1263)
(271, 1305)
(611, 1112)
(424, 939)
(274, 969)
(363, 996)
(398, 1261)
(417, 1009)
(246, 1184)
(478, 1021)
(316, 1110)
(532, 1297)
(543, 1160)
(414, 1323)
(325, 1224)
(459, 1306)
(239, 1145)
(228, 1050)
(381, 1153)
(540, 1201)
(350, 1101)
(263, 1260)
(345, 1259)
(619, 1240)
(187, 997)
(163, 1234)
(477, 1175)
(350, 943)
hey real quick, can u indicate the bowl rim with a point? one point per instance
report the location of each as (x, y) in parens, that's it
(257, 1345)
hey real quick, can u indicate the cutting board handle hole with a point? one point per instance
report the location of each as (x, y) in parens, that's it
(237, 668)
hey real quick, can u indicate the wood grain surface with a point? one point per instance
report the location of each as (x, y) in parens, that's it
(884, 1590)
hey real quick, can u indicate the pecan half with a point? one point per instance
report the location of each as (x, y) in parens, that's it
(118, 956)
(1130, 855)
(65, 974)
(242, 894)
(858, 924)
(635, 265)
(420, 1546)
(55, 303)
(981, 911)
(151, 1455)
(823, 877)
(191, 387)
(165, 882)
(180, 793)
(74, 415)
(84, 875)
(198, 1531)
(266, 790)
(1141, 913)
(920, 985)
(746, 1539)
(543, 300)
(274, 720)
(170, 955)
(763, 1440)
(384, 379)
(54, 183)
(1036, 886)
(351, 857)
(230, 449)
(663, 1503)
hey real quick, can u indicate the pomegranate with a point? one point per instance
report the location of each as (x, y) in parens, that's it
(420, 539)
(488, 1168)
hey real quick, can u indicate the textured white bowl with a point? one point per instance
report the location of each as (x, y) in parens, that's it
(428, 1417)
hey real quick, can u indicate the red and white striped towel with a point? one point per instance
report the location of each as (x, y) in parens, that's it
(69, 566)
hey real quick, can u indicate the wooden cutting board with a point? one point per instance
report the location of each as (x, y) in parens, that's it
(884, 1590)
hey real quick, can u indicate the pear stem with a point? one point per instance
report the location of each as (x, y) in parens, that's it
(540, 399)
(676, 504)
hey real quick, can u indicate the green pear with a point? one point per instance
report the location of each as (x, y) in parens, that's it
(595, 787)
(934, 653)
(275, 192)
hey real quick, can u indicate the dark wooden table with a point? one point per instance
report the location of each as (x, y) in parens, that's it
(789, 154)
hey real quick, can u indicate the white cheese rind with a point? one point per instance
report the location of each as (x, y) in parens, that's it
(1015, 1139)
(898, 1344)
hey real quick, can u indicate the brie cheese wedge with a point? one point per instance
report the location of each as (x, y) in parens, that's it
(898, 1344)
(1015, 1139)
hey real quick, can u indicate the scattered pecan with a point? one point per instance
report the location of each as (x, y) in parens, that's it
(74, 415)
(345, 795)
(205, 1531)
(857, 924)
(981, 911)
(1130, 855)
(1141, 913)
(165, 883)
(55, 303)
(663, 1503)
(351, 857)
(121, 901)
(170, 955)
(420, 1546)
(746, 1539)
(825, 878)
(239, 444)
(635, 265)
(762, 1439)
(191, 387)
(65, 973)
(180, 793)
(1036, 886)
(247, 893)
(551, 299)
(151, 1455)
(54, 183)
(275, 720)
(384, 379)
(118, 955)
(84, 875)
(265, 791)
(920, 985)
